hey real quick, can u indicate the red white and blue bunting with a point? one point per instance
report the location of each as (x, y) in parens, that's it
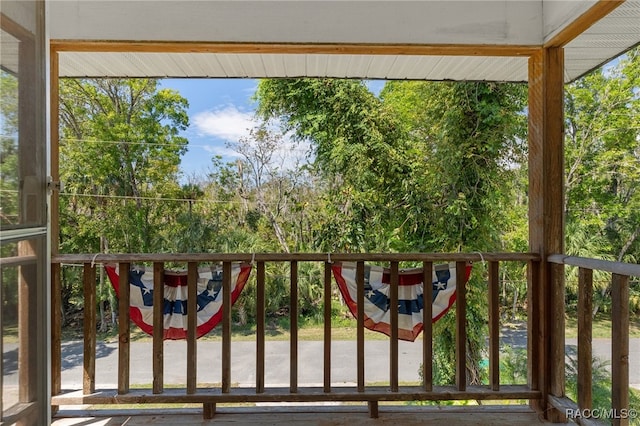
(175, 298)
(410, 302)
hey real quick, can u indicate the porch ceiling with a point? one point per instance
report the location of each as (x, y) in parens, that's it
(432, 40)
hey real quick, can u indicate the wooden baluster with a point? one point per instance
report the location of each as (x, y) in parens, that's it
(226, 327)
(427, 332)
(123, 328)
(534, 314)
(158, 327)
(260, 327)
(556, 361)
(494, 326)
(620, 347)
(461, 327)
(89, 325)
(393, 318)
(585, 349)
(327, 327)
(360, 324)
(192, 324)
(293, 329)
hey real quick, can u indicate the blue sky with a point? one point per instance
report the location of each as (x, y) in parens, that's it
(220, 112)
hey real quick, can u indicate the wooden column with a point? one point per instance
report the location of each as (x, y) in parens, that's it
(546, 223)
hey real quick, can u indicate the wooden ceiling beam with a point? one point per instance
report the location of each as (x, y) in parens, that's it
(293, 48)
(596, 12)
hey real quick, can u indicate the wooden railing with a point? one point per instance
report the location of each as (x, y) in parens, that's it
(226, 393)
(620, 274)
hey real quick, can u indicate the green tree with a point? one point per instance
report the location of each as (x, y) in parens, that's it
(9, 177)
(120, 150)
(603, 165)
(358, 153)
(419, 169)
(471, 137)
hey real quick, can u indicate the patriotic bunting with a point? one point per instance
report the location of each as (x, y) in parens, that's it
(410, 302)
(209, 298)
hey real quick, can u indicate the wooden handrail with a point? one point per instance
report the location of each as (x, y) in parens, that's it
(18, 260)
(620, 268)
(287, 257)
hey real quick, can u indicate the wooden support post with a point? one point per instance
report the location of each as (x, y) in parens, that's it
(89, 326)
(192, 323)
(158, 327)
(494, 327)
(260, 328)
(208, 410)
(546, 224)
(373, 409)
(427, 321)
(585, 331)
(620, 348)
(327, 327)
(393, 317)
(123, 328)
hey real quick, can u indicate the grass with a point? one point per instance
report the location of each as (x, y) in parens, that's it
(248, 333)
(343, 328)
(601, 326)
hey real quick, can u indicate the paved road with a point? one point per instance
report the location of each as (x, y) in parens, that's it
(310, 365)
(243, 363)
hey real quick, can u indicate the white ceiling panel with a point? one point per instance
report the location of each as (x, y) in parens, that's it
(428, 23)
(307, 21)
(204, 65)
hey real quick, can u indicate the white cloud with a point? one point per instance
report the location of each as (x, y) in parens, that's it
(223, 151)
(227, 123)
(230, 124)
